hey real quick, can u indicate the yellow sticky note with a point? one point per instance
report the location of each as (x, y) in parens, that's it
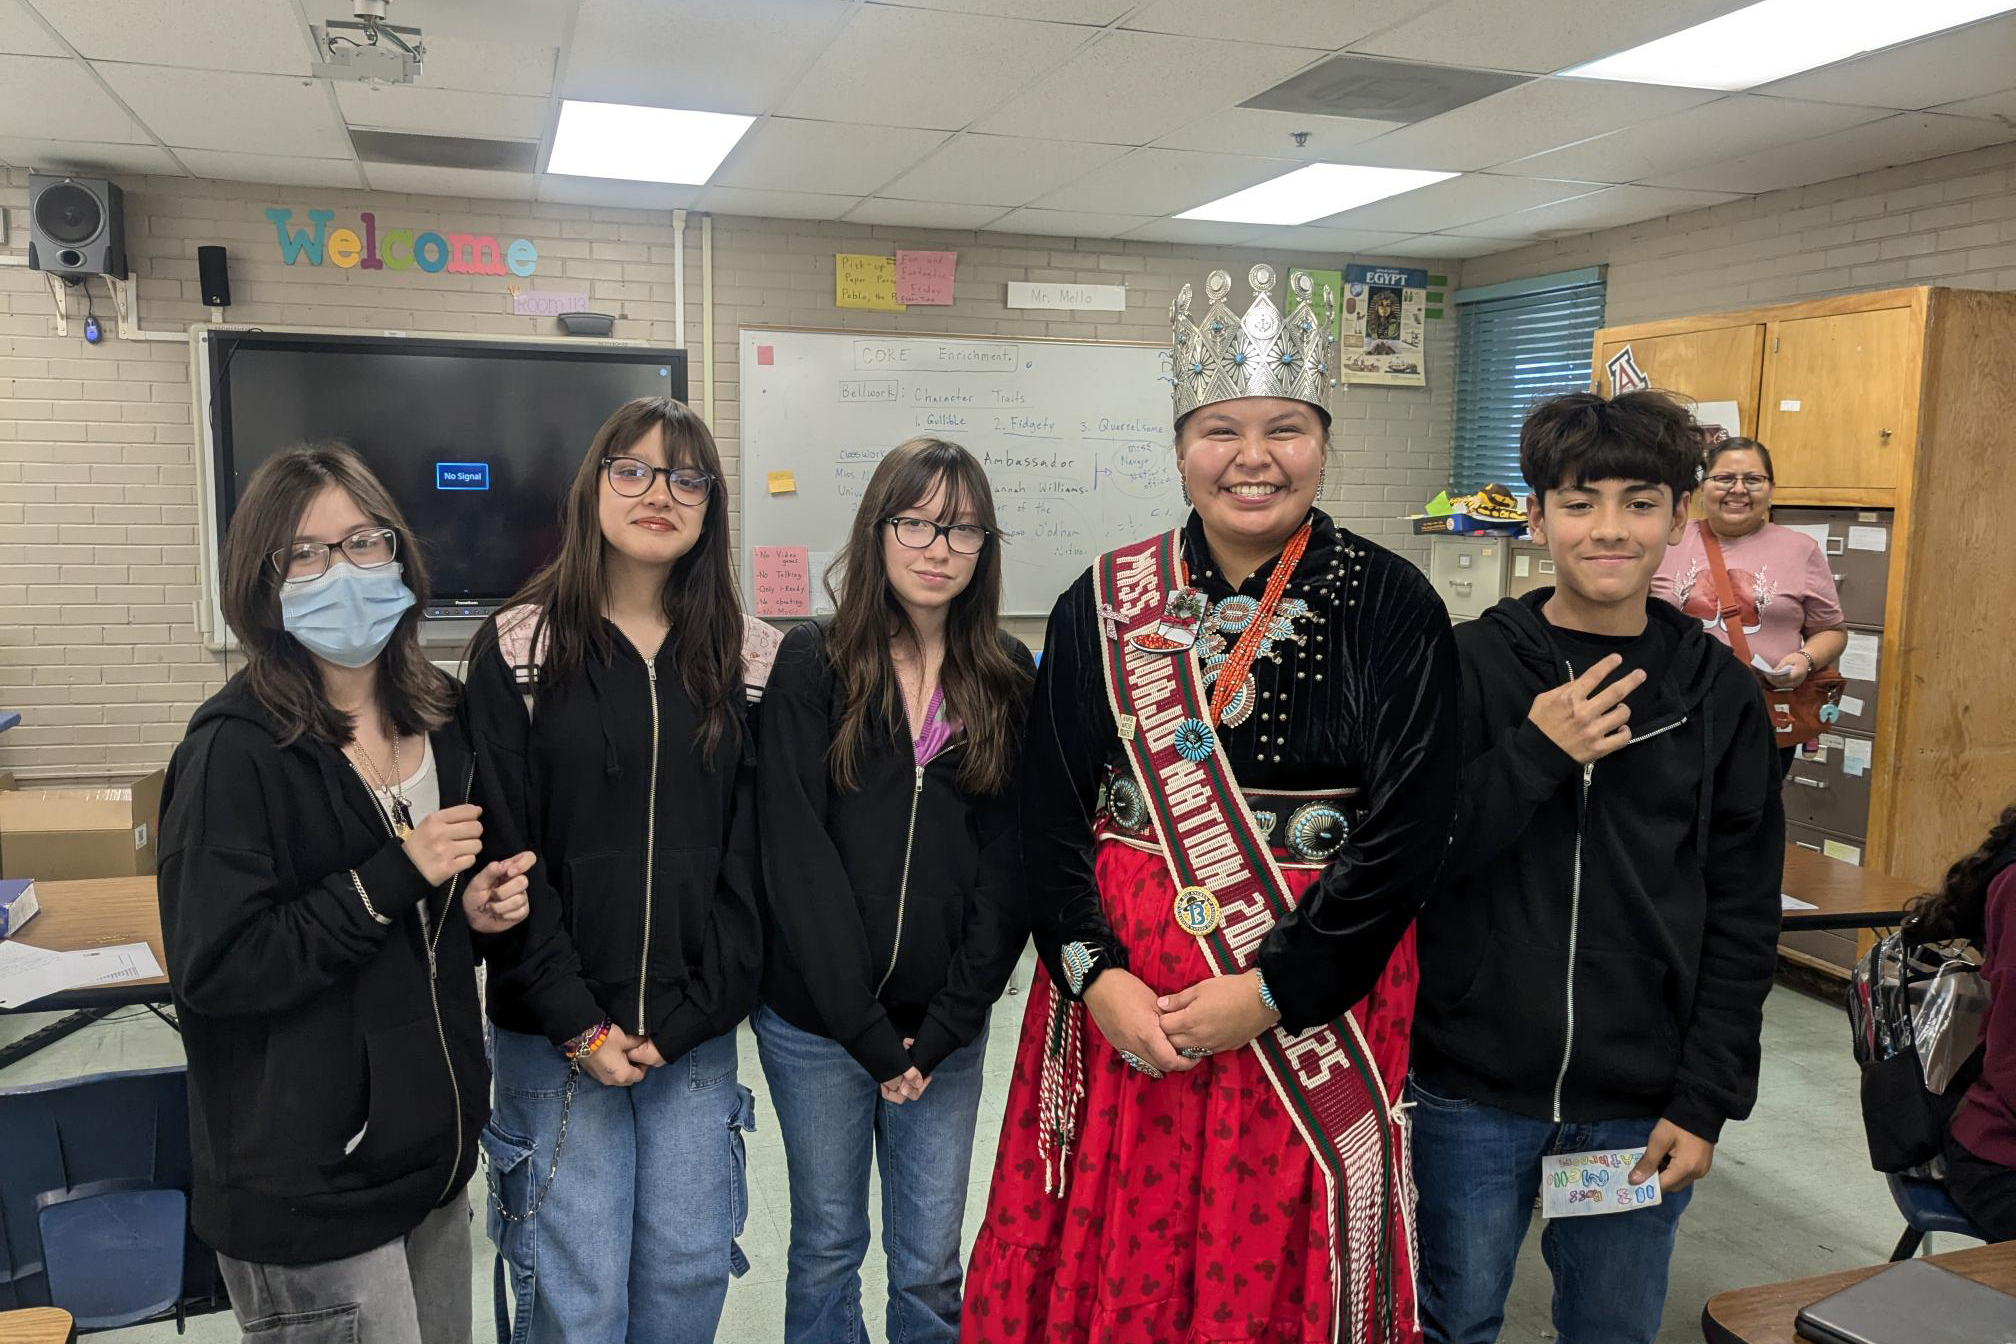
(865, 282)
(1835, 849)
(783, 483)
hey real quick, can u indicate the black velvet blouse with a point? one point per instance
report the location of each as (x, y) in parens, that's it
(1366, 700)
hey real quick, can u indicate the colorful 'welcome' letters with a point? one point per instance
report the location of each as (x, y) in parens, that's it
(399, 249)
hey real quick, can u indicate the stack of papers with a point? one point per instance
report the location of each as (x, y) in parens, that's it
(31, 973)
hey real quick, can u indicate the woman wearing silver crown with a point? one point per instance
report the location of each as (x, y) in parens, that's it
(1236, 793)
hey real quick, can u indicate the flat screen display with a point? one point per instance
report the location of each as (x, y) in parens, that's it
(476, 440)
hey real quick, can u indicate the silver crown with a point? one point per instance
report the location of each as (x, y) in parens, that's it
(1258, 355)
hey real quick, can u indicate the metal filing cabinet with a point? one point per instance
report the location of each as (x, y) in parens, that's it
(1467, 573)
(1828, 788)
(1531, 567)
(1856, 543)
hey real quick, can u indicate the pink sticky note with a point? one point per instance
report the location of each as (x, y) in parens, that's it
(925, 277)
(766, 354)
(783, 581)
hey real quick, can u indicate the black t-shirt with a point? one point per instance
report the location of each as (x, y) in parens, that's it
(1582, 649)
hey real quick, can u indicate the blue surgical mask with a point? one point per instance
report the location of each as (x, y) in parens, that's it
(347, 616)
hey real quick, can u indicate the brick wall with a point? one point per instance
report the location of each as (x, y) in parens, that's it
(98, 482)
(1945, 221)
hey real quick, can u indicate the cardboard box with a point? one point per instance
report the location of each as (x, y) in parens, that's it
(54, 833)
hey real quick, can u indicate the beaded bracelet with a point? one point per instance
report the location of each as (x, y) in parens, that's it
(1266, 997)
(588, 1042)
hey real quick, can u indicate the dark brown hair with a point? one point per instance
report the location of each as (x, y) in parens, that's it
(414, 696)
(1738, 444)
(699, 598)
(1959, 909)
(1569, 441)
(983, 685)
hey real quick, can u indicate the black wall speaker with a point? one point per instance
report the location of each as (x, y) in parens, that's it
(76, 226)
(215, 279)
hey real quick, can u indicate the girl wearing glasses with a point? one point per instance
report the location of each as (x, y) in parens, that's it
(610, 706)
(1783, 586)
(322, 871)
(893, 888)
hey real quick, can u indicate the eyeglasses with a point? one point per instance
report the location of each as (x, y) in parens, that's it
(300, 561)
(1728, 480)
(628, 476)
(919, 533)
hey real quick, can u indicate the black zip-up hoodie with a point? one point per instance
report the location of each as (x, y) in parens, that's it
(306, 1022)
(1642, 995)
(644, 896)
(898, 907)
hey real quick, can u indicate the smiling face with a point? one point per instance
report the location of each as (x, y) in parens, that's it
(1737, 491)
(652, 528)
(1252, 465)
(1607, 537)
(929, 577)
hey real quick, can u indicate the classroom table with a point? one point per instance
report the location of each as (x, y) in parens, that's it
(96, 912)
(1847, 896)
(1766, 1314)
(37, 1325)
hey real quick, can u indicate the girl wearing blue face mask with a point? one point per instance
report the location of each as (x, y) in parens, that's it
(325, 887)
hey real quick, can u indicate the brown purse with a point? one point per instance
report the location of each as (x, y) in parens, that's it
(1798, 713)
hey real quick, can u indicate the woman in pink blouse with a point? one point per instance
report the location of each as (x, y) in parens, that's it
(1785, 594)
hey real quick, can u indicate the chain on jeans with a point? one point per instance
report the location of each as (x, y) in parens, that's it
(552, 1169)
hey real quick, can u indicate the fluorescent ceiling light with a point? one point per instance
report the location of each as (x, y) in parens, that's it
(642, 144)
(1315, 192)
(1773, 39)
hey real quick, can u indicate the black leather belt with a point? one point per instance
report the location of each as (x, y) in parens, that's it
(1311, 826)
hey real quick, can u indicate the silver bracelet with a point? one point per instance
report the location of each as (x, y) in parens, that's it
(1077, 959)
(365, 897)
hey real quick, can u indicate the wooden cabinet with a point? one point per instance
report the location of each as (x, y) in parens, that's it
(1897, 406)
(1840, 400)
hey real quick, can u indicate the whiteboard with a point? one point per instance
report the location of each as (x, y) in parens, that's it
(1075, 437)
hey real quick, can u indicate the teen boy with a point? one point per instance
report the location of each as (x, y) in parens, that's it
(1595, 962)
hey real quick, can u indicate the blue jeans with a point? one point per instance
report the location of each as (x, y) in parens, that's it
(1478, 1172)
(635, 1239)
(834, 1121)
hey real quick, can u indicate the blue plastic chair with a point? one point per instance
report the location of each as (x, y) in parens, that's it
(1926, 1208)
(94, 1200)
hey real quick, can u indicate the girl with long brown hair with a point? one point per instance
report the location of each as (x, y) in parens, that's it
(609, 703)
(320, 882)
(890, 736)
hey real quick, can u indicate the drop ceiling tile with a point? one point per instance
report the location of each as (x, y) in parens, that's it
(72, 156)
(1322, 238)
(284, 170)
(695, 54)
(1724, 129)
(777, 204)
(1096, 13)
(1450, 246)
(484, 66)
(1195, 232)
(1067, 223)
(20, 35)
(1536, 116)
(1996, 107)
(1259, 131)
(1330, 24)
(1943, 68)
(431, 181)
(999, 169)
(431, 111)
(1163, 182)
(1537, 36)
(1131, 88)
(215, 35)
(871, 73)
(566, 189)
(1605, 209)
(1459, 201)
(924, 214)
(1904, 138)
(824, 156)
(247, 114)
(521, 22)
(42, 97)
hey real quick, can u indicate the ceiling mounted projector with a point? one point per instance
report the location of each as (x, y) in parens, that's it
(367, 48)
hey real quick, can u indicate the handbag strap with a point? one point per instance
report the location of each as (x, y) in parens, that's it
(1725, 594)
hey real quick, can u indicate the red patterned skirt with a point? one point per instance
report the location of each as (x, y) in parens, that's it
(1191, 1209)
